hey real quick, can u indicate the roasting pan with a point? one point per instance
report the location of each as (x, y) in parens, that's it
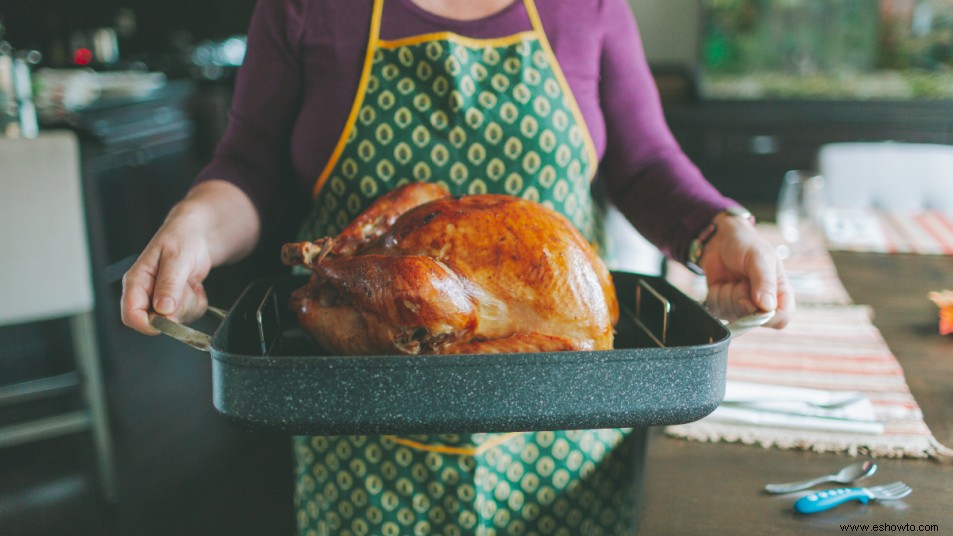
(668, 367)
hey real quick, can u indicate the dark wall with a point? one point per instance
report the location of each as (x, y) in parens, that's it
(36, 23)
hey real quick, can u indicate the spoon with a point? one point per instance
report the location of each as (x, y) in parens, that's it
(846, 475)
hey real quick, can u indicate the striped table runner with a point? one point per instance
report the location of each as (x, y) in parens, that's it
(925, 233)
(831, 348)
(829, 345)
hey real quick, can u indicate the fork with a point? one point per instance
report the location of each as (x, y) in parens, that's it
(825, 500)
(833, 404)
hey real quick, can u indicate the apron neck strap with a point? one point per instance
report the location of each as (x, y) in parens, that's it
(375, 35)
(534, 17)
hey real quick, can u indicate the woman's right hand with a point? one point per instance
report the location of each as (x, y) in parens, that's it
(167, 277)
(214, 224)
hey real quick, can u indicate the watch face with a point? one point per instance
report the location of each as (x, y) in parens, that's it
(694, 251)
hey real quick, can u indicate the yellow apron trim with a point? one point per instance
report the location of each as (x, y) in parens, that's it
(358, 98)
(443, 449)
(458, 39)
(561, 78)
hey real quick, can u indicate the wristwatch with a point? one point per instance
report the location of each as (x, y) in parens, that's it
(696, 248)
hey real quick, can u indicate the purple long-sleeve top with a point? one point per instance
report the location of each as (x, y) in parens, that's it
(303, 66)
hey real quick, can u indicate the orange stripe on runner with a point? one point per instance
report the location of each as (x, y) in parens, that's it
(846, 354)
(757, 356)
(891, 429)
(907, 229)
(890, 235)
(818, 370)
(904, 405)
(929, 221)
(944, 220)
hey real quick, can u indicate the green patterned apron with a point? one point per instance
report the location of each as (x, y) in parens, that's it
(478, 116)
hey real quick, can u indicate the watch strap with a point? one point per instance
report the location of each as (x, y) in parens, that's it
(696, 248)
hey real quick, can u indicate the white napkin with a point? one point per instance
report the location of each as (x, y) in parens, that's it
(794, 407)
(854, 228)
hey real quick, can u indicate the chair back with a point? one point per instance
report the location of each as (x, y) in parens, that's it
(903, 177)
(44, 252)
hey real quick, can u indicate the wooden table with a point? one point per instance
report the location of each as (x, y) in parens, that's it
(715, 488)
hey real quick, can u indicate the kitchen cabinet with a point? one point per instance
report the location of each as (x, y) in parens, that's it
(745, 147)
(138, 157)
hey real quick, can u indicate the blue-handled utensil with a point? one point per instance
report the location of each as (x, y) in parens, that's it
(827, 499)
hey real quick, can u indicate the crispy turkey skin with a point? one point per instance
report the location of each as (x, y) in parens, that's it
(421, 272)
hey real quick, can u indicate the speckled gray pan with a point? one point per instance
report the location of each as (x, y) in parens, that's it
(297, 390)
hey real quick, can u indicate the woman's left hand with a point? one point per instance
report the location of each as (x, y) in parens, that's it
(744, 273)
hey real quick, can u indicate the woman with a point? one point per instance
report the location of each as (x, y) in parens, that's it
(533, 98)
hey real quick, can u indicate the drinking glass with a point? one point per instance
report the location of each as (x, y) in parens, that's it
(800, 205)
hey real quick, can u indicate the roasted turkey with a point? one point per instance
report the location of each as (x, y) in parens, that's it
(421, 272)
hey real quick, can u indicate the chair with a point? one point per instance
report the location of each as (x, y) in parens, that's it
(902, 177)
(45, 274)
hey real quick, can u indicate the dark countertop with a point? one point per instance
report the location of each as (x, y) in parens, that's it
(715, 489)
(131, 120)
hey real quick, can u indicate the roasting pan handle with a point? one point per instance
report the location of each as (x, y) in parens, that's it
(740, 326)
(193, 337)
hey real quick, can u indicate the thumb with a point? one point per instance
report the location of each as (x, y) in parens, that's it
(170, 284)
(763, 278)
